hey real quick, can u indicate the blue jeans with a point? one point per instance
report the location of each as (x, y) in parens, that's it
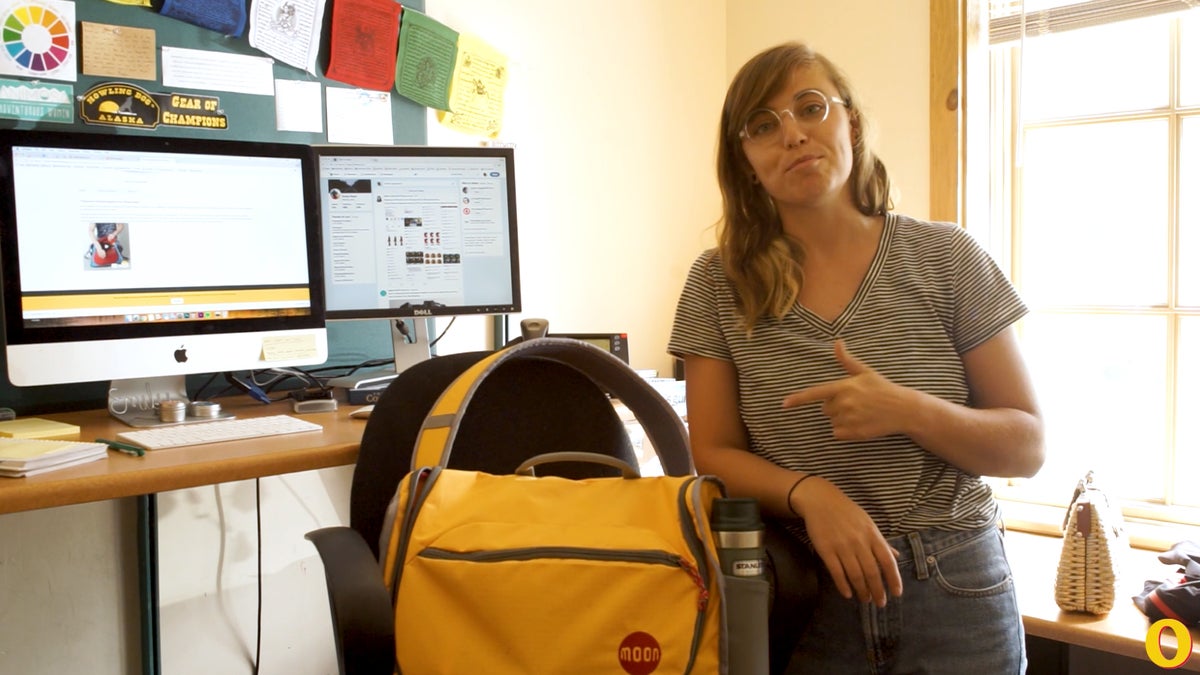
(957, 616)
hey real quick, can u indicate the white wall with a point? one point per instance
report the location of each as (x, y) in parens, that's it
(613, 110)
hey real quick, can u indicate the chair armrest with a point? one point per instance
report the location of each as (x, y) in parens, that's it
(363, 620)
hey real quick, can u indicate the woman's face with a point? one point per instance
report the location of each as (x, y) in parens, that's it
(808, 163)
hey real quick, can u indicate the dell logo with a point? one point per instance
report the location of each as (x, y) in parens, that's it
(422, 312)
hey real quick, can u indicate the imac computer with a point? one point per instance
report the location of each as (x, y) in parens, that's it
(142, 259)
(413, 232)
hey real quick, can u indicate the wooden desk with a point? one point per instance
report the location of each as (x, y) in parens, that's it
(124, 475)
(1034, 559)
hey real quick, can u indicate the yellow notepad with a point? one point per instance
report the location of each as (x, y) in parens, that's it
(38, 427)
(29, 456)
(23, 449)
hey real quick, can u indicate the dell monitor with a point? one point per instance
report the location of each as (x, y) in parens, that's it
(142, 259)
(413, 232)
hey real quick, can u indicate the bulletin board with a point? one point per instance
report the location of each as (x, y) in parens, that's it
(250, 117)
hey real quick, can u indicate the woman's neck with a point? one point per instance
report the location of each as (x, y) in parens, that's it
(825, 230)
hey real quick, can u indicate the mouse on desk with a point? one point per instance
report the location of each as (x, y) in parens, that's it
(363, 412)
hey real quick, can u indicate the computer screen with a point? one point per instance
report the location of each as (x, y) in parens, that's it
(418, 231)
(141, 259)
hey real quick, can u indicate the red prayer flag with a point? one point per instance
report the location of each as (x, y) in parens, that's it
(362, 45)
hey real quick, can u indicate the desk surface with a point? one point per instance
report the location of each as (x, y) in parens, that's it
(122, 475)
(1034, 559)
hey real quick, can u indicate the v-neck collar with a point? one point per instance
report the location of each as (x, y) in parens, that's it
(832, 328)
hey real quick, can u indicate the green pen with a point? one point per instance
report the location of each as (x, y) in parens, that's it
(122, 447)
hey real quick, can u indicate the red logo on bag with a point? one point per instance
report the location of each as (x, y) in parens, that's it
(639, 653)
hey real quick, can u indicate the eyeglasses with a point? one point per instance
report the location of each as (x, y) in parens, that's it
(810, 107)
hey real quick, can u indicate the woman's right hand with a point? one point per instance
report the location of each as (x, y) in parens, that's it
(858, 558)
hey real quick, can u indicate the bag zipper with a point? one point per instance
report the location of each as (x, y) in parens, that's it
(649, 557)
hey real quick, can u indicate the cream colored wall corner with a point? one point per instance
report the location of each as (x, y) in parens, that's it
(613, 114)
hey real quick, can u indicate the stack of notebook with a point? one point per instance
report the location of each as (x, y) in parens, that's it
(33, 445)
(30, 456)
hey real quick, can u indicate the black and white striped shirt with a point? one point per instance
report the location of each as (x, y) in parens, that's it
(930, 295)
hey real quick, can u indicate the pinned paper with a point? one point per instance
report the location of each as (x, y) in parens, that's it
(118, 51)
(362, 48)
(477, 90)
(298, 106)
(358, 116)
(37, 101)
(39, 40)
(219, 71)
(425, 62)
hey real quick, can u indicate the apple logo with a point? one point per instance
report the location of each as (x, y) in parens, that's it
(181, 354)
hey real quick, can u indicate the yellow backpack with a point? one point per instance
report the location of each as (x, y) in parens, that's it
(526, 575)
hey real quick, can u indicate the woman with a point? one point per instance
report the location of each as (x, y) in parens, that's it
(857, 371)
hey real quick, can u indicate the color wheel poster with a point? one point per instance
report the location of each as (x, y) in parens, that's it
(39, 39)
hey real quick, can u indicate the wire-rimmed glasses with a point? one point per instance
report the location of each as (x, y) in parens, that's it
(809, 108)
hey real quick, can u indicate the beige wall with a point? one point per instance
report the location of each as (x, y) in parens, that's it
(613, 114)
(615, 117)
(883, 46)
(613, 109)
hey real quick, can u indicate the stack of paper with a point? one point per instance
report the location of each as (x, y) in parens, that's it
(27, 457)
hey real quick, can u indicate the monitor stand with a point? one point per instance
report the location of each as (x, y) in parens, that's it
(135, 401)
(405, 355)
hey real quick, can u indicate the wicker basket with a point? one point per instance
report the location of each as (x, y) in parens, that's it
(1094, 545)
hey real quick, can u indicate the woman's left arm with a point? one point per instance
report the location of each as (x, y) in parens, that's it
(1000, 433)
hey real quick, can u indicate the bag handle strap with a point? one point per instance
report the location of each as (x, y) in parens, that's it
(663, 427)
(528, 467)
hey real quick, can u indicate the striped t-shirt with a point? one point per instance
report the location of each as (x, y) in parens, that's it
(930, 295)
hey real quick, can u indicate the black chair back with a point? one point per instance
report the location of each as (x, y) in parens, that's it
(525, 408)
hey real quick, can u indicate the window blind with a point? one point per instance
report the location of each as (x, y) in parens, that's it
(1005, 16)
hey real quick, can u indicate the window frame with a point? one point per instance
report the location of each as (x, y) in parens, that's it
(959, 150)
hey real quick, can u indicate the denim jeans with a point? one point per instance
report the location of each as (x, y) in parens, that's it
(957, 615)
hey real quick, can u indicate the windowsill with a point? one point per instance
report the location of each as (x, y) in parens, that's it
(1047, 520)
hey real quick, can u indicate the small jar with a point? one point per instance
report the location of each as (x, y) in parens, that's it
(204, 409)
(172, 410)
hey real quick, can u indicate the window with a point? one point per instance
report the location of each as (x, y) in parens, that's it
(1095, 210)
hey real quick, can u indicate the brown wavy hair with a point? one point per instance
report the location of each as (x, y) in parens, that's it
(765, 266)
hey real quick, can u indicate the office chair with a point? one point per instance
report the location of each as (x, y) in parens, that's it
(524, 407)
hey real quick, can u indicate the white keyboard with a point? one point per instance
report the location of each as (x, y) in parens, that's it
(199, 433)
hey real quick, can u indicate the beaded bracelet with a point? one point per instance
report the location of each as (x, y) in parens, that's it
(793, 489)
